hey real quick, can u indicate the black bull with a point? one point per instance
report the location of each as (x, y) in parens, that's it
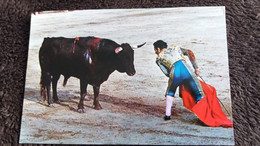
(89, 59)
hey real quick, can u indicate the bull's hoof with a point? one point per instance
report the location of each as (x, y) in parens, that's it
(98, 107)
(51, 105)
(81, 110)
(57, 101)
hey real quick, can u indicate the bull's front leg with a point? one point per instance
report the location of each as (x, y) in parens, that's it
(83, 93)
(97, 106)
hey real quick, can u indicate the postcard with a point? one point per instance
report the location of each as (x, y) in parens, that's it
(128, 76)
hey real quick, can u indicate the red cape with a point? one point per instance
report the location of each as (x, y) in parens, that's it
(208, 108)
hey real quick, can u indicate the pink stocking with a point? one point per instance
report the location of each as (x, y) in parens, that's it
(169, 100)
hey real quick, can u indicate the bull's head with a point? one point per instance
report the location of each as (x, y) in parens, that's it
(125, 55)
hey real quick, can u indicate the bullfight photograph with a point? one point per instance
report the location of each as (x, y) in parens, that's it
(128, 76)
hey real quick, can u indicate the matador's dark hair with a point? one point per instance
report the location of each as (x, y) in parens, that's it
(160, 44)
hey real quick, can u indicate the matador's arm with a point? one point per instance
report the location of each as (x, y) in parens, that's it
(162, 67)
(191, 56)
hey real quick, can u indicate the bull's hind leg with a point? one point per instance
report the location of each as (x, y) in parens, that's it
(97, 106)
(55, 79)
(48, 85)
(45, 87)
(83, 93)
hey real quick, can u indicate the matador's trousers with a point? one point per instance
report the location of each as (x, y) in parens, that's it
(182, 74)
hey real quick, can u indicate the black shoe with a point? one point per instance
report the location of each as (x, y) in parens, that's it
(167, 118)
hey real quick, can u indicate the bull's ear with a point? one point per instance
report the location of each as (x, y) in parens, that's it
(118, 49)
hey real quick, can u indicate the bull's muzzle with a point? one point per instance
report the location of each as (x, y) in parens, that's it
(131, 74)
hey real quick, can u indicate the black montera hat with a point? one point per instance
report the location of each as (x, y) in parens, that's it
(160, 44)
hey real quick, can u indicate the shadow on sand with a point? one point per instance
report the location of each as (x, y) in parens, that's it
(33, 94)
(134, 104)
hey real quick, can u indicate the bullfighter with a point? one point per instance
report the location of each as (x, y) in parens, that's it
(173, 64)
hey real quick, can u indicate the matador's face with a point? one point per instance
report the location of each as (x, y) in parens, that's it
(157, 50)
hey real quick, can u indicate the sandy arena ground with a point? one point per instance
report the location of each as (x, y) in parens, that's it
(133, 107)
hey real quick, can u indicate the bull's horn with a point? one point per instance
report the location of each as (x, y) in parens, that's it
(138, 46)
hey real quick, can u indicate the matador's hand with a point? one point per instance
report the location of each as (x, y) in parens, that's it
(197, 72)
